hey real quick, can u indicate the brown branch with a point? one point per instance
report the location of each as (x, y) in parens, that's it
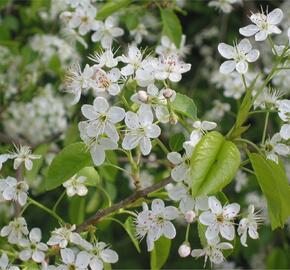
(132, 198)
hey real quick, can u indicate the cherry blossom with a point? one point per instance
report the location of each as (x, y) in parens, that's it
(274, 148)
(33, 248)
(102, 118)
(76, 185)
(140, 130)
(219, 219)
(249, 225)
(13, 190)
(264, 25)
(156, 222)
(284, 114)
(213, 251)
(4, 263)
(241, 54)
(16, 230)
(106, 32)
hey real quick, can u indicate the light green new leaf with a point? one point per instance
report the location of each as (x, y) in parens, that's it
(112, 7)
(68, 162)
(93, 178)
(184, 105)
(160, 253)
(274, 184)
(130, 229)
(176, 142)
(214, 163)
(171, 26)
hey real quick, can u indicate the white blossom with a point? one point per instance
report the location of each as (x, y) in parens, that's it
(102, 81)
(275, 148)
(23, 155)
(213, 251)
(284, 114)
(184, 250)
(182, 166)
(156, 222)
(33, 247)
(264, 25)
(102, 118)
(72, 260)
(64, 235)
(106, 32)
(76, 185)
(84, 19)
(225, 6)
(16, 230)
(99, 253)
(140, 130)
(5, 265)
(104, 59)
(169, 67)
(13, 190)
(249, 225)
(240, 54)
(219, 219)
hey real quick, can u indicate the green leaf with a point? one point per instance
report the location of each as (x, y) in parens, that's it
(108, 172)
(111, 7)
(93, 178)
(72, 134)
(274, 184)
(77, 209)
(130, 229)
(160, 253)
(278, 259)
(214, 163)
(67, 163)
(184, 105)
(176, 142)
(171, 26)
(201, 234)
(131, 21)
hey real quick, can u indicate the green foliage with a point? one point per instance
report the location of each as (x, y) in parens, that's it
(171, 26)
(93, 178)
(185, 106)
(274, 184)
(176, 142)
(68, 162)
(160, 253)
(214, 163)
(130, 229)
(278, 259)
(131, 21)
(111, 7)
(76, 209)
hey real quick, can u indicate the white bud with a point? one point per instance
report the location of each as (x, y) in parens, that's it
(190, 216)
(184, 250)
(167, 93)
(142, 96)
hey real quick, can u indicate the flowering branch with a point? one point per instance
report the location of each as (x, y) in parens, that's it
(132, 198)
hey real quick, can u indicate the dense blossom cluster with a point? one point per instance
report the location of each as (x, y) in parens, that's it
(131, 101)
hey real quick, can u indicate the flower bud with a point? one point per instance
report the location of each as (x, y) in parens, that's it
(167, 93)
(184, 250)
(142, 96)
(190, 216)
(173, 119)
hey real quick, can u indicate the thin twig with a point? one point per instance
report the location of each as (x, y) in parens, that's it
(115, 207)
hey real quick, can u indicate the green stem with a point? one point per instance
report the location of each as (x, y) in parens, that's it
(106, 195)
(44, 208)
(187, 233)
(265, 127)
(117, 167)
(247, 170)
(244, 82)
(162, 146)
(9, 253)
(262, 111)
(249, 142)
(272, 45)
(58, 201)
